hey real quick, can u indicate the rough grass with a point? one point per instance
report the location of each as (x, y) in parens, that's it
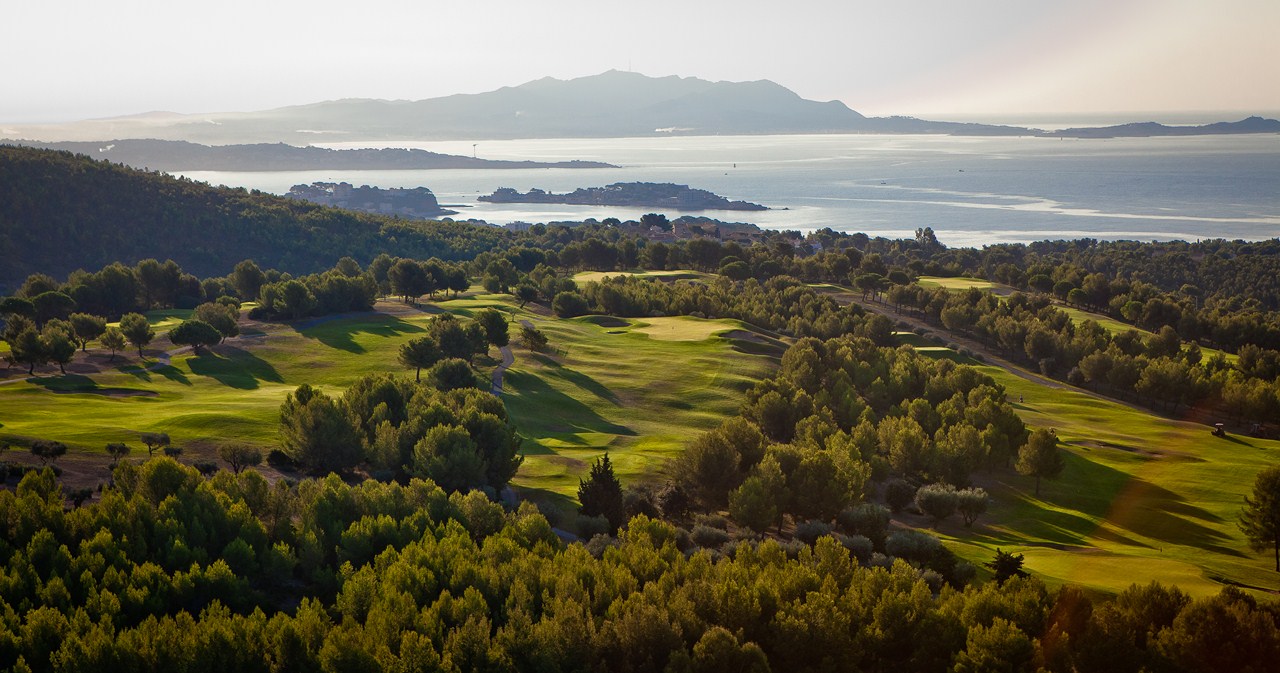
(1142, 497)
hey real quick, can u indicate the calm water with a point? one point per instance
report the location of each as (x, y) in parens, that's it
(972, 191)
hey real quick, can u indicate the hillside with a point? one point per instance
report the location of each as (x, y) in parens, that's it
(60, 212)
(1149, 129)
(611, 104)
(176, 155)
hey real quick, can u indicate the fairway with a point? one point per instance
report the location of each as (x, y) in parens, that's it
(671, 275)
(1142, 497)
(640, 389)
(960, 284)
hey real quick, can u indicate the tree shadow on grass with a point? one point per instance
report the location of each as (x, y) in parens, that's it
(1129, 503)
(578, 379)
(553, 408)
(234, 367)
(340, 334)
(173, 374)
(78, 383)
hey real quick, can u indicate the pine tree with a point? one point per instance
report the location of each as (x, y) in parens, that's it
(601, 493)
(1040, 457)
(1260, 519)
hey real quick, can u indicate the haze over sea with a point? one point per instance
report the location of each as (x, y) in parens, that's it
(970, 190)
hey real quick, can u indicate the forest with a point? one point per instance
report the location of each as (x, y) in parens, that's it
(800, 533)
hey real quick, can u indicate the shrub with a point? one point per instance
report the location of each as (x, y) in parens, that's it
(809, 531)
(857, 545)
(971, 503)
(569, 305)
(938, 501)
(712, 521)
(913, 546)
(592, 526)
(599, 542)
(898, 493)
(866, 520)
(708, 537)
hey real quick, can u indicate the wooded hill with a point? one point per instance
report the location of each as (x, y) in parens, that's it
(60, 212)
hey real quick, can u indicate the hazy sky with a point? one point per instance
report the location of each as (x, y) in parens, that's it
(75, 59)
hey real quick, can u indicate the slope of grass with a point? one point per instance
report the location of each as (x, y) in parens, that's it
(1142, 497)
(674, 274)
(640, 389)
(960, 284)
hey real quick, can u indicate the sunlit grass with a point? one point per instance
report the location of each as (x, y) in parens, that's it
(1142, 497)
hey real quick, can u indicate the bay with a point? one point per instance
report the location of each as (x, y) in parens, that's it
(972, 191)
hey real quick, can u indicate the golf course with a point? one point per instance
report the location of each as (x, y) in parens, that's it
(1141, 496)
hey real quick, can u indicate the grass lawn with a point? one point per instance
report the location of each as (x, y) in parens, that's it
(959, 284)
(675, 274)
(1142, 497)
(639, 388)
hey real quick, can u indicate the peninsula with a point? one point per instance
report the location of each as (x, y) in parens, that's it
(641, 194)
(418, 203)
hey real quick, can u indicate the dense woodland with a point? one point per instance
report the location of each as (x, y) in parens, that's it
(417, 567)
(171, 571)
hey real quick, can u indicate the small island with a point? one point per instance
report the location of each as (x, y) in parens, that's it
(642, 194)
(418, 203)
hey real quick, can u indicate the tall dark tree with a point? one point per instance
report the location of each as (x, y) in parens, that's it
(52, 306)
(495, 327)
(317, 432)
(59, 343)
(601, 493)
(1260, 519)
(248, 279)
(1040, 457)
(408, 280)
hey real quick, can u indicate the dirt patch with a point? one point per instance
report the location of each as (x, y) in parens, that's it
(744, 335)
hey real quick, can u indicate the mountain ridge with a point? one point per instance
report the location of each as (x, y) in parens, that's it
(610, 104)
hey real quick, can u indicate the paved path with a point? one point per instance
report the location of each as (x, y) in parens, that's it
(507, 360)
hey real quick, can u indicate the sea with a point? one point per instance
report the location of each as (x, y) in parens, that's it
(972, 191)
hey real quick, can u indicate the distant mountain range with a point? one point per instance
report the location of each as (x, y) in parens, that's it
(178, 155)
(611, 104)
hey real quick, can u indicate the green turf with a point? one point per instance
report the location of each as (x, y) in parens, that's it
(675, 274)
(1142, 497)
(959, 284)
(638, 388)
